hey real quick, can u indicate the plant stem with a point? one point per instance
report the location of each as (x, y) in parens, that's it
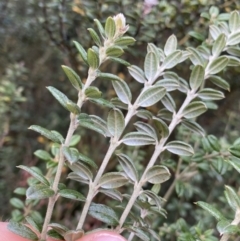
(61, 160)
(158, 149)
(235, 222)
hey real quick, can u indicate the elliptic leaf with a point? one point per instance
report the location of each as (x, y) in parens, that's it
(168, 102)
(161, 127)
(210, 94)
(81, 51)
(72, 194)
(234, 21)
(137, 139)
(112, 180)
(39, 191)
(151, 95)
(122, 90)
(92, 59)
(93, 92)
(172, 60)
(196, 56)
(125, 41)
(115, 123)
(171, 45)
(193, 126)
(197, 77)
(146, 128)
(95, 37)
(81, 170)
(214, 31)
(180, 148)
(120, 61)
(71, 154)
(110, 27)
(157, 174)
(150, 66)
(114, 51)
(217, 65)
(220, 82)
(100, 28)
(137, 74)
(112, 193)
(232, 198)
(73, 77)
(194, 109)
(44, 155)
(219, 45)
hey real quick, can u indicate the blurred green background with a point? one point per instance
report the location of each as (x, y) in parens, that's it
(36, 39)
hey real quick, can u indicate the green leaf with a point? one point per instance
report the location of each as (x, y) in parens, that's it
(197, 77)
(161, 126)
(87, 160)
(224, 226)
(77, 177)
(81, 51)
(21, 230)
(17, 203)
(150, 66)
(115, 123)
(110, 27)
(234, 51)
(81, 170)
(137, 139)
(212, 210)
(64, 101)
(180, 148)
(214, 31)
(151, 95)
(232, 198)
(92, 59)
(100, 27)
(112, 193)
(235, 150)
(54, 234)
(109, 76)
(193, 126)
(103, 213)
(219, 45)
(165, 114)
(144, 114)
(210, 94)
(146, 128)
(196, 56)
(39, 191)
(171, 45)
(114, 51)
(33, 224)
(20, 191)
(234, 21)
(72, 194)
(128, 167)
(35, 174)
(168, 84)
(112, 180)
(74, 140)
(213, 142)
(120, 61)
(71, 154)
(233, 61)
(220, 82)
(157, 174)
(168, 102)
(44, 155)
(197, 35)
(61, 229)
(137, 74)
(125, 41)
(102, 102)
(73, 77)
(172, 60)
(93, 92)
(154, 197)
(194, 109)
(122, 90)
(95, 37)
(45, 132)
(217, 65)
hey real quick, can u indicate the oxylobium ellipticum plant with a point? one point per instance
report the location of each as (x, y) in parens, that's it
(158, 80)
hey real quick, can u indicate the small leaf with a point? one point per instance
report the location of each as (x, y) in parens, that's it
(137, 74)
(100, 28)
(93, 92)
(144, 114)
(110, 27)
(172, 60)
(103, 213)
(39, 191)
(194, 109)
(180, 148)
(225, 226)
(21, 230)
(114, 51)
(17, 203)
(95, 37)
(120, 61)
(109, 76)
(122, 90)
(214, 31)
(193, 126)
(44, 155)
(232, 198)
(157, 174)
(112, 193)
(235, 163)
(217, 65)
(197, 77)
(81, 170)
(234, 51)
(161, 126)
(214, 143)
(115, 123)
(74, 140)
(102, 102)
(151, 95)
(212, 210)
(168, 102)
(81, 51)
(87, 160)
(112, 180)
(35, 174)
(219, 45)
(210, 94)
(168, 84)
(92, 59)
(235, 150)
(71, 154)
(150, 66)
(54, 234)
(20, 191)
(125, 41)
(72, 194)
(220, 82)
(45, 132)
(196, 57)
(61, 229)
(128, 167)
(137, 139)
(234, 21)
(171, 45)
(73, 77)
(33, 224)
